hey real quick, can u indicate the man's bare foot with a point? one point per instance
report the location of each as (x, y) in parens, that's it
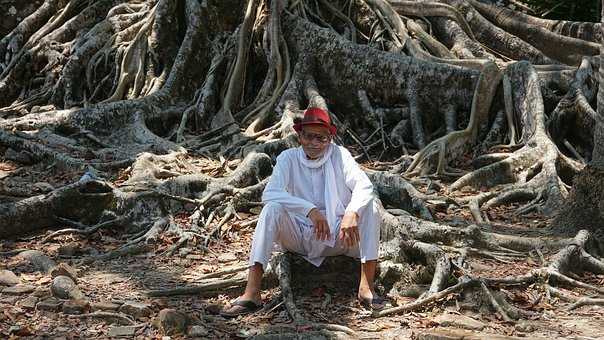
(254, 297)
(369, 299)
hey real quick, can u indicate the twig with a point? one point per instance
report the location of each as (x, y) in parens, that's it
(85, 231)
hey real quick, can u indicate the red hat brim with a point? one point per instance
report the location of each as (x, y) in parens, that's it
(332, 129)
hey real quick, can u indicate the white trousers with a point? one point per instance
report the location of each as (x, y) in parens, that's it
(277, 228)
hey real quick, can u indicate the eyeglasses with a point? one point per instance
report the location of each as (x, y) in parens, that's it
(309, 136)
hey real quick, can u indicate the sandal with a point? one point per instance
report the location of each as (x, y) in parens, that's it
(376, 303)
(240, 307)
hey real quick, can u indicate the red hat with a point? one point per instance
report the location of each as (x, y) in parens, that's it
(315, 116)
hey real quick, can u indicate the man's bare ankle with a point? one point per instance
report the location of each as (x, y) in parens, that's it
(251, 296)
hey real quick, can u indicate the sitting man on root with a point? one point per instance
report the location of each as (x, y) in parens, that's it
(318, 203)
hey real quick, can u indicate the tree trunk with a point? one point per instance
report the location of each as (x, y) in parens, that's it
(586, 208)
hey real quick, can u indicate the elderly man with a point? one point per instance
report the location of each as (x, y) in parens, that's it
(318, 203)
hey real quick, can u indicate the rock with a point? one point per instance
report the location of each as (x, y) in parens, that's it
(183, 252)
(75, 307)
(214, 309)
(438, 205)
(22, 157)
(461, 321)
(524, 326)
(49, 305)
(122, 331)
(18, 290)
(9, 300)
(194, 257)
(8, 278)
(63, 269)
(170, 321)
(29, 303)
(226, 257)
(43, 187)
(136, 309)
(41, 292)
(63, 287)
(198, 331)
(106, 306)
(69, 250)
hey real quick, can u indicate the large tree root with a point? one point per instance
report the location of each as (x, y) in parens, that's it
(110, 85)
(533, 169)
(569, 259)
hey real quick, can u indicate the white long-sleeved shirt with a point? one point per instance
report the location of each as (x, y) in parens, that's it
(299, 188)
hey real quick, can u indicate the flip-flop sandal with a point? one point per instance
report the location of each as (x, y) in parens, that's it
(240, 307)
(375, 304)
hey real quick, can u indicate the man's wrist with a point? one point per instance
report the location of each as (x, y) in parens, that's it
(310, 211)
(352, 213)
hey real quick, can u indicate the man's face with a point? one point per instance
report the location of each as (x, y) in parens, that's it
(314, 140)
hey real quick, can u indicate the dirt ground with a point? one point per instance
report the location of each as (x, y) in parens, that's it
(127, 279)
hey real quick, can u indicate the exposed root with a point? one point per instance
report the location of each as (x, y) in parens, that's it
(454, 144)
(211, 286)
(533, 168)
(120, 319)
(419, 303)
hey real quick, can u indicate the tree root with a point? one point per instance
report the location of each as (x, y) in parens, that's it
(211, 286)
(454, 144)
(106, 316)
(533, 167)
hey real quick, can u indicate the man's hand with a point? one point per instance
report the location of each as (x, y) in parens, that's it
(320, 223)
(349, 229)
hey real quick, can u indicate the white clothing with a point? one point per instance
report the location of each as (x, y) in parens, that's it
(296, 187)
(334, 208)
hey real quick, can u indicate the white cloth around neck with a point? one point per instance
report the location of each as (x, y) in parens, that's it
(333, 204)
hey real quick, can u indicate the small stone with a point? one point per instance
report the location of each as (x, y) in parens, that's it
(438, 205)
(104, 306)
(122, 331)
(194, 257)
(75, 307)
(41, 292)
(43, 187)
(136, 309)
(198, 331)
(29, 303)
(255, 210)
(9, 300)
(19, 157)
(171, 321)
(49, 305)
(214, 309)
(18, 290)
(63, 287)
(461, 321)
(63, 269)
(8, 278)
(524, 326)
(226, 257)
(183, 252)
(69, 250)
